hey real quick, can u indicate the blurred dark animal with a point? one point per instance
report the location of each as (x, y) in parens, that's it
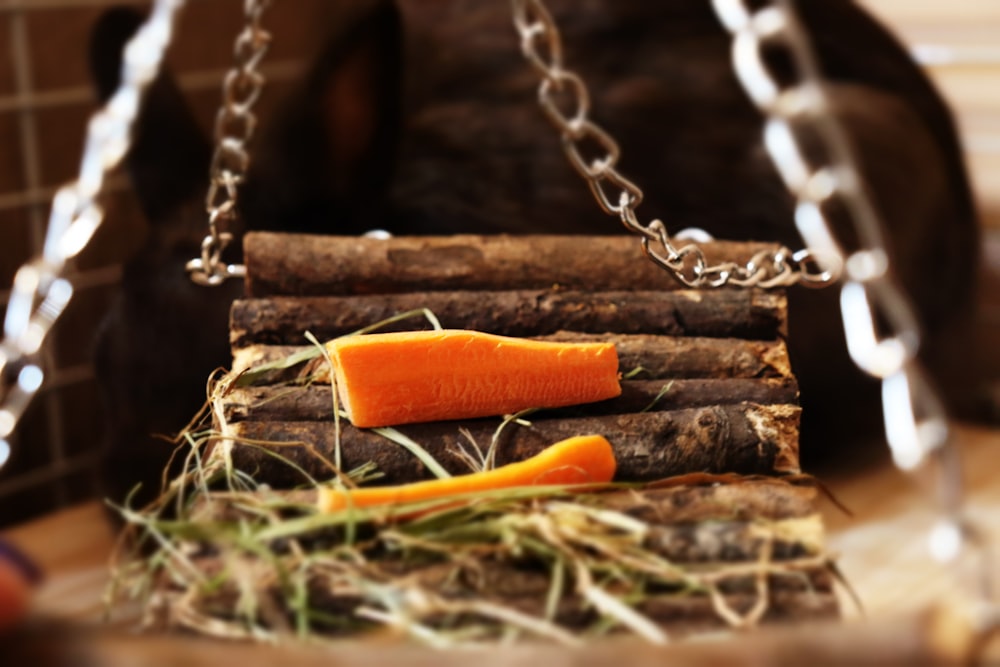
(419, 117)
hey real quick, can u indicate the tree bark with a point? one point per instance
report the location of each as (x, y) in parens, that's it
(314, 402)
(286, 264)
(696, 526)
(658, 357)
(801, 596)
(697, 497)
(722, 313)
(746, 438)
(690, 356)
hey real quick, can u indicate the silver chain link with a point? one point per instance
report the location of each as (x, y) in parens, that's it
(41, 289)
(594, 154)
(235, 123)
(916, 424)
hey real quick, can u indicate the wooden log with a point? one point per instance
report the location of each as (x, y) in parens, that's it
(660, 357)
(690, 356)
(695, 532)
(798, 596)
(679, 500)
(720, 541)
(746, 438)
(314, 402)
(288, 264)
(723, 313)
(698, 497)
(703, 546)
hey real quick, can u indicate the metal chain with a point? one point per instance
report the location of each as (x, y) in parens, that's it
(915, 421)
(594, 154)
(234, 127)
(881, 329)
(41, 289)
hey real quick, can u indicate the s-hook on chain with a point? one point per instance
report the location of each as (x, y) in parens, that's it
(915, 421)
(594, 154)
(234, 127)
(41, 289)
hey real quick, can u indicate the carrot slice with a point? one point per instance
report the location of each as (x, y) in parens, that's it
(421, 376)
(585, 459)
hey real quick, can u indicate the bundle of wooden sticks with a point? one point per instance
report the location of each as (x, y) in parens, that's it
(709, 402)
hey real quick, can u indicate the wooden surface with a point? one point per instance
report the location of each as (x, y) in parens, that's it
(881, 549)
(72, 548)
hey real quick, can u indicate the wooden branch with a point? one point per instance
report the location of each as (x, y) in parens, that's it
(314, 402)
(660, 357)
(800, 596)
(690, 356)
(697, 497)
(732, 541)
(728, 313)
(694, 531)
(286, 264)
(745, 438)
(686, 499)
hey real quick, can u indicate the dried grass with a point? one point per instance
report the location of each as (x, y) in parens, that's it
(221, 554)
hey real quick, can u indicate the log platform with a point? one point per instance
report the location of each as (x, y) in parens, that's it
(708, 388)
(708, 396)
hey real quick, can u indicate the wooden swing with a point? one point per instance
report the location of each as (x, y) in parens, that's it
(721, 417)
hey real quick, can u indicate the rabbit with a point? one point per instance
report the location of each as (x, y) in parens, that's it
(419, 117)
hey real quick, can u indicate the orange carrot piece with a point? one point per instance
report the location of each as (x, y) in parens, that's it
(421, 376)
(585, 459)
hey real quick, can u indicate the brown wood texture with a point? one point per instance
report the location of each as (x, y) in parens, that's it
(687, 499)
(659, 357)
(282, 264)
(713, 393)
(743, 438)
(698, 497)
(724, 313)
(691, 356)
(802, 595)
(729, 403)
(699, 524)
(882, 552)
(314, 402)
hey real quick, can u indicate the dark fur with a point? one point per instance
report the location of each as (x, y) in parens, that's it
(422, 121)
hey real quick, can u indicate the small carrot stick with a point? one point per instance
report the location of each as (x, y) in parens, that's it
(585, 459)
(421, 376)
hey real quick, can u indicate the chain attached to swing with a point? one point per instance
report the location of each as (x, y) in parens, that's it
(541, 44)
(880, 326)
(916, 425)
(41, 288)
(235, 123)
